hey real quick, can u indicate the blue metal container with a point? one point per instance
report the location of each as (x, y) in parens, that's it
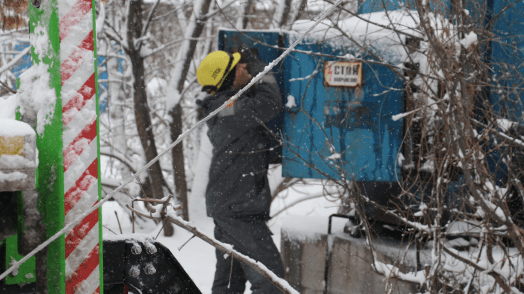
(341, 130)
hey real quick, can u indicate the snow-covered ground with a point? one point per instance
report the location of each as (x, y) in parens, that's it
(197, 257)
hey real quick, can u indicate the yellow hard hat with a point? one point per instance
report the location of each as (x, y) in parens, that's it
(214, 69)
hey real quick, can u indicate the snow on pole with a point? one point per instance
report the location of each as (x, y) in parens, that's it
(80, 145)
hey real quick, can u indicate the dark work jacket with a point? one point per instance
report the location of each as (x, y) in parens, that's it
(238, 184)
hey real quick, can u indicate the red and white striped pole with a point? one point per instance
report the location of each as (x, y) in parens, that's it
(80, 144)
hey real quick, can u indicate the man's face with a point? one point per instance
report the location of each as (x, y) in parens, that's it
(242, 76)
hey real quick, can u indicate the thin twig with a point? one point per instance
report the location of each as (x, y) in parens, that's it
(230, 272)
(109, 229)
(163, 224)
(133, 216)
(148, 21)
(118, 220)
(147, 205)
(294, 203)
(142, 188)
(8, 88)
(180, 248)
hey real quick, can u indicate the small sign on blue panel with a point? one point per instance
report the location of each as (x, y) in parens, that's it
(342, 73)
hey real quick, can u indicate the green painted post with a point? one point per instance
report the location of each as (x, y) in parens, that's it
(26, 272)
(49, 143)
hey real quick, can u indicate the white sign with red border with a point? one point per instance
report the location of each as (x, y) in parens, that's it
(342, 73)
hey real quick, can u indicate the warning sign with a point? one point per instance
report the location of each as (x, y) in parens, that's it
(343, 73)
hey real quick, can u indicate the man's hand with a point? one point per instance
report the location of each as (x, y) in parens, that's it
(242, 76)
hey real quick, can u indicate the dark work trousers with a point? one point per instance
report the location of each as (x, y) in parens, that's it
(250, 237)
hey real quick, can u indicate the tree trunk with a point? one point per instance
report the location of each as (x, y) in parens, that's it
(196, 26)
(243, 18)
(143, 120)
(178, 160)
(282, 13)
(286, 15)
(294, 15)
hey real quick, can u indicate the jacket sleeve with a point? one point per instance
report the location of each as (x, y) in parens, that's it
(265, 104)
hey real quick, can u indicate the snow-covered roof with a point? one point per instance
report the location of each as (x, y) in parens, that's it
(373, 25)
(384, 33)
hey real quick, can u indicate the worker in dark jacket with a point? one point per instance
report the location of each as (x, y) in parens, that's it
(238, 195)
